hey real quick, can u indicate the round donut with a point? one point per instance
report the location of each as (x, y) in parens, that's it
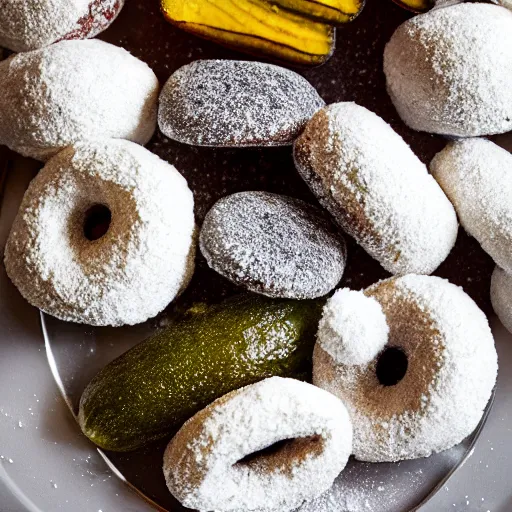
(104, 235)
(31, 24)
(476, 175)
(376, 188)
(427, 390)
(274, 245)
(501, 296)
(445, 73)
(226, 457)
(49, 98)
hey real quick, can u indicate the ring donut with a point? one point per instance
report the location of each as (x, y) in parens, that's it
(216, 462)
(427, 389)
(104, 235)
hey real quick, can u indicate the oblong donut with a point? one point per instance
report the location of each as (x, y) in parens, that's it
(136, 268)
(452, 369)
(476, 175)
(206, 464)
(50, 98)
(376, 188)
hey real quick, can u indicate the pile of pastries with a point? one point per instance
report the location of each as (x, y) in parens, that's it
(268, 394)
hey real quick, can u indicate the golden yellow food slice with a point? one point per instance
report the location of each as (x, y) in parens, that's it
(329, 11)
(254, 26)
(416, 5)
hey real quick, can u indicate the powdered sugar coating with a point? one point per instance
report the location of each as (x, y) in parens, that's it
(132, 272)
(71, 91)
(501, 296)
(204, 466)
(452, 369)
(236, 103)
(31, 24)
(476, 175)
(448, 71)
(353, 328)
(274, 245)
(376, 188)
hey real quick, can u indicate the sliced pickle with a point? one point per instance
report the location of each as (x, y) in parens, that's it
(416, 5)
(255, 26)
(329, 11)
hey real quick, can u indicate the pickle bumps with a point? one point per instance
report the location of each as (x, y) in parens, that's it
(152, 389)
(255, 26)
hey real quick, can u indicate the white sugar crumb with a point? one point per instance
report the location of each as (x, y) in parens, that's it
(452, 362)
(501, 297)
(49, 98)
(236, 103)
(274, 245)
(31, 24)
(353, 328)
(206, 464)
(131, 273)
(377, 189)
(476, 175)
(448, 71)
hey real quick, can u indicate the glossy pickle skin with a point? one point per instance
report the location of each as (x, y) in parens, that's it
(336, 12)
(151, 390)
(415, 5)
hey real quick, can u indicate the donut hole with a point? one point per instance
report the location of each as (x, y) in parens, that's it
(97, 221)
(294, 449)
(392, 366)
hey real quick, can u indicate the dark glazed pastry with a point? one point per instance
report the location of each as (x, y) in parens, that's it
(236, 103)
(274, 245)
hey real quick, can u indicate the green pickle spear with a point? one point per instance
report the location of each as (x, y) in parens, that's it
(151, 390)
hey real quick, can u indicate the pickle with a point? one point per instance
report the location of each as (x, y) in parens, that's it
(255, 26)
(151, 390)
(416, 5)
(328, 11)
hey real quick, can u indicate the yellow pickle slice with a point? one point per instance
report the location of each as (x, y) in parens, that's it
(328, 11)
(416, 5)
(255, 26)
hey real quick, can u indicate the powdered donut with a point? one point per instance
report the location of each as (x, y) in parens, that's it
(427, 390)
(376, 189)
(71, 91)
(31, 24)
(218, 461)
(476, 175)
(448, 71)
(353, 327)
(236, 103)
(501, 296)
(121, 268)
(274, 245)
